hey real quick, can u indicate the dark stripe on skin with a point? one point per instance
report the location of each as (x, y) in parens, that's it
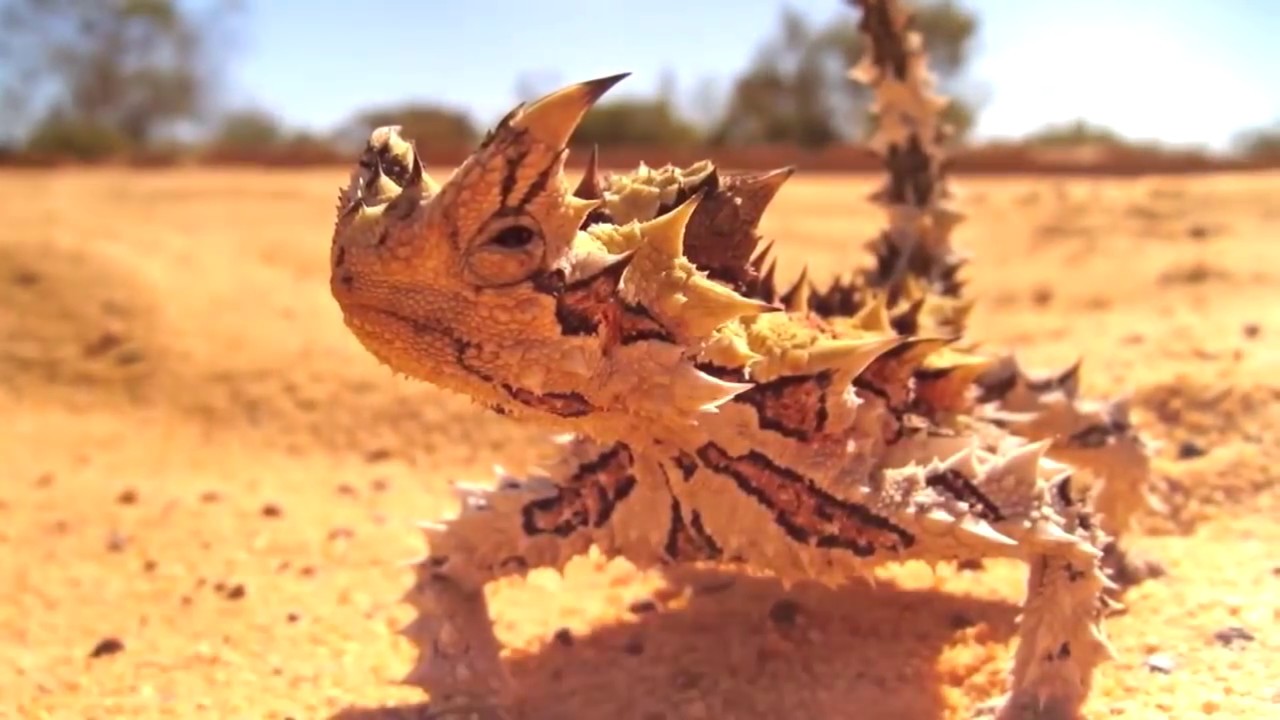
(591, 305)
(562, 404)
(687, 463)
(539, 183)
(958, 487)
(588, 499)
(1063, 490)
(794, 406)
(805, 512)
(515, 158)
(689, 541)
(638, 324)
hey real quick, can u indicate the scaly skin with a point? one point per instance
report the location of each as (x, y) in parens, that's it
(706, 416)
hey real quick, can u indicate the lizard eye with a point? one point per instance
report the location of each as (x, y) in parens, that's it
(509, 253)
(512, 238)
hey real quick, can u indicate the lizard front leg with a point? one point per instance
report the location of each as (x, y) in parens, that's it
(592, 496)
(1029, 505)
(974, 504)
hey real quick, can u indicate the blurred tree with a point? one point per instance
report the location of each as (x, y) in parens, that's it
(1075, 133)
(428, 125)
(249, 130)
(797, 89)
(649, 121)
(1259, 143)
(98, 73)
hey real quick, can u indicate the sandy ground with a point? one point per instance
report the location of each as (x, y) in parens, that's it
(208, 489)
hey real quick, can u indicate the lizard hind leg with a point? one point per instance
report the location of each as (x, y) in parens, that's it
(1060, 639)
(521, 524)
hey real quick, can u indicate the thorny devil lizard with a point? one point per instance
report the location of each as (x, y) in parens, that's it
(706, 416)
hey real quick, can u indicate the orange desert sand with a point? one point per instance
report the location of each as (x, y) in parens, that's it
(209, 489)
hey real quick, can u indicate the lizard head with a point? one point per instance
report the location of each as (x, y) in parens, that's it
(493, 283)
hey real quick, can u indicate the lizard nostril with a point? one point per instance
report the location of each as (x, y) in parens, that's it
(346, 280)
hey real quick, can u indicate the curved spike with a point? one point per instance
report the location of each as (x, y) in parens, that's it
(589, 187)
(552, 118)
(713, 304)
(769, 282)
(1050, 534)
(981, 529)
(757, 262)
(964, 462)
(666, 232)
(874, 316)
(1023, 464)
(850, 356)
(757, 190)
(796, 299)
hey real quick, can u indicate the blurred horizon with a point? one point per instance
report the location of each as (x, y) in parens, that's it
(297, 79)
(1209, 68)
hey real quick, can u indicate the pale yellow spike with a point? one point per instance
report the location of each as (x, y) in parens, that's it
(1022, 465)
(693, 389)
(1049, 534)
(665, 233)
(850, 357)
(919, 350)
(708, 305)
(874, 316)
(965, 462)
(798, 301)
(938, 521)
(552, 118)
(981, 529)
(579, 208)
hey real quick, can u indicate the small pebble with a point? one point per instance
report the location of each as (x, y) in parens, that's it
(128, 496)
(1233, 636)
(272, 510)
(377, 455)
(292, 617)
(1251, 330)
(210, 496)
(1160, 663)
(784, 612)
(640, 607)
(235, 592)
(563, 637)
(379, 484)
(1189, 449)
(107, 646)
(116, 542)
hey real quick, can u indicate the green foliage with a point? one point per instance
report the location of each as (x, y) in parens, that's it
(428, 125)
(1259, 143)
(635, 122)
(96, 73)
(249, 130)
(61, 135)
(98, 78)
(797, 90)
(1075, 133)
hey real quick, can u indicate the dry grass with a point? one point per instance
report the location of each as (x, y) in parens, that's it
(201, 463)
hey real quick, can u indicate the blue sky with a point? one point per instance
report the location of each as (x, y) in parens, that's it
(1180, 71)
